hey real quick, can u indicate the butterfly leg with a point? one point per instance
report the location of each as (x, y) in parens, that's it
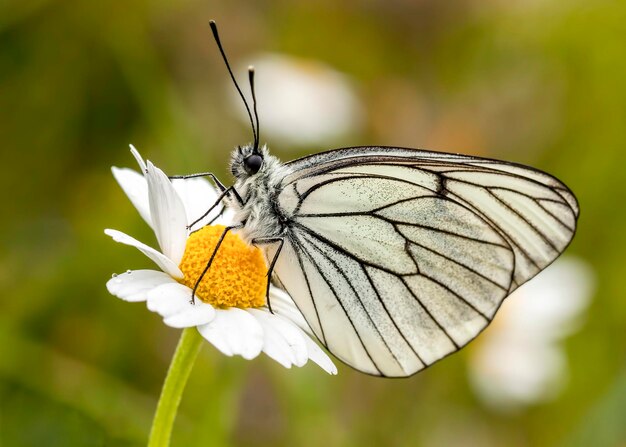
(219, 199)
(208, 264)
(270, 240)
(219, 184)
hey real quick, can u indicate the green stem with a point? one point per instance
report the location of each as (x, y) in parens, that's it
(175, 381)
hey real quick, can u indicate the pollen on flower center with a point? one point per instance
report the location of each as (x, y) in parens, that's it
(237, 277)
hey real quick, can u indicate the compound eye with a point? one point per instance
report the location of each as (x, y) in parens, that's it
(253, 163)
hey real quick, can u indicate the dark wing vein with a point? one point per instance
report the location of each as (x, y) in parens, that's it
(298, 226)
(533, 227)
(430, 315)
(505, 234)
(382, 302)
(322, 337)
(365, 309)
(347, 314)
(460, 264)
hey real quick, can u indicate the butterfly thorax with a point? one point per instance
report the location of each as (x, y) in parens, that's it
(260, 213)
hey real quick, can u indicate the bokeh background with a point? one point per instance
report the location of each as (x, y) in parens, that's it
(541, 82)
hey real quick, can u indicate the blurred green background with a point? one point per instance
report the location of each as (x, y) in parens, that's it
(541, 82)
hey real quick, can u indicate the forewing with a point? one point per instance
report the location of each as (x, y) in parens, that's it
(397, 259)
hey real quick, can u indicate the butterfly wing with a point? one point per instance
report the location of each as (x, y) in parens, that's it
(399, 257)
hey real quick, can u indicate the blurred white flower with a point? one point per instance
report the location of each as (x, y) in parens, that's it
(520, 360)
(302, 102)
(229, 309)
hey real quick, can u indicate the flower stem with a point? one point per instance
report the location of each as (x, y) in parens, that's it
(175, 381)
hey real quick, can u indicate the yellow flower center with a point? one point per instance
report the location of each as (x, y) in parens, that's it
(237, 276)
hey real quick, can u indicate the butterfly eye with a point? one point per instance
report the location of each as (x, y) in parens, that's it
(253, 163)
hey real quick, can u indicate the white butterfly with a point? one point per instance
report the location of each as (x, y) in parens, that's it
(398, 257)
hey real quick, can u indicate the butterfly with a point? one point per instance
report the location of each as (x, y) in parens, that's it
(396, 257)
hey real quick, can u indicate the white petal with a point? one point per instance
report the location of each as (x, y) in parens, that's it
(316, 354)
(135, 284)
(136, 188)
(173, 303)
(194, 315)
(198, 196)
(162, 261)
(170, 300)
(234, 332)
(282, 304)
(227, 218)
(140, 162)
(168, 214)
(282, 340)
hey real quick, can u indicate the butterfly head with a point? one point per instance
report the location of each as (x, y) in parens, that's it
(247, 161)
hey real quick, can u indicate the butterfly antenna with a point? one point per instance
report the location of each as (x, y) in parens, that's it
(232, 76)
(256, 115)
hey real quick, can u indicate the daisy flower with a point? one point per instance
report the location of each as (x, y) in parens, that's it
(230, 309)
